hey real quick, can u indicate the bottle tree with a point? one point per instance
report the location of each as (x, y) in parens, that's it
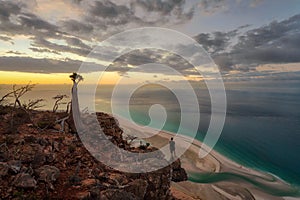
(75, 111)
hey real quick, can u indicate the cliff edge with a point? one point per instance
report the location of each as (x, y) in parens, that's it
(43, 159)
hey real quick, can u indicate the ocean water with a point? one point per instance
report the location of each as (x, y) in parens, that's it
(262, 127)
(261, 131)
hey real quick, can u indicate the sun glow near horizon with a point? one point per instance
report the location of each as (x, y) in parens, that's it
(7, 77)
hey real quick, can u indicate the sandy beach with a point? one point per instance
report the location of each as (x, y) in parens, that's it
(243, 183)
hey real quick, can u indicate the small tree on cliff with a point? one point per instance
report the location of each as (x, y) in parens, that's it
(17, 94)
(58, 99)
(75, 111)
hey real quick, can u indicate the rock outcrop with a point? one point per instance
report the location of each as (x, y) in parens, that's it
(178, 174)
(42, 162)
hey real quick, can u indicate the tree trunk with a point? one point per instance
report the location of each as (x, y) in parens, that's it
(75, 113)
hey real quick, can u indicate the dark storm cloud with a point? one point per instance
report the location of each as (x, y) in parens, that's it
(32, 21)
(40, 42)
(14, 21)
(113, 17)
(7, 9)
(107, 9)
(175, 7)
(99, 19)
(40, 30)
(277, 42)
(74, 26)
(140, 57)
(163, 7)
(224, 61)
(215, 42)
(35, 65)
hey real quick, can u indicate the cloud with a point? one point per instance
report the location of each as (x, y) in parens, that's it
(277, 42)
(215, 42)
(146, 56)
(110, 17)
(40, 42)
(42, 50)
(7, 9)
(164, 8)
(274, 43)
(6, 39)
(107, 9)
(212, 6)
(28, 64)
(79, 28)
(97, 19)
(14, 52)
(34, 22)
(15, 21)
(73, 41)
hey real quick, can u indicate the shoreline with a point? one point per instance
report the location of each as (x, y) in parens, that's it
(237, 181)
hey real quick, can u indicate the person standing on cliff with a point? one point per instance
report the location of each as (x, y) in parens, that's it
(172, 148)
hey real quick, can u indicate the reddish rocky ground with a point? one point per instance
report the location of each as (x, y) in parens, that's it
(40, 159)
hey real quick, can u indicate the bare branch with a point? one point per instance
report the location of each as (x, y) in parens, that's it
(8, 95)
(68, 106)
(58, 98)
(33, 104)
(19, 92)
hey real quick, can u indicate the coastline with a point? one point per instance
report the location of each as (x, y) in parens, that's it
(223, 178)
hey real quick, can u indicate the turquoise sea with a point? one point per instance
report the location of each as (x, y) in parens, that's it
(261, 131)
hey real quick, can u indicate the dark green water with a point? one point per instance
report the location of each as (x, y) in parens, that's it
(261, 131)
(261, 143)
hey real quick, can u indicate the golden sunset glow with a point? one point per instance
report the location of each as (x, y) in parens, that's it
(23, 78)
(58, 78)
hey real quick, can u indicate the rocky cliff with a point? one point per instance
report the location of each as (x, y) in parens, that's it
(43, 159)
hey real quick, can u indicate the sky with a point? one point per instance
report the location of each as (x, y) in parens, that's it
(44, 41)
(254, 44)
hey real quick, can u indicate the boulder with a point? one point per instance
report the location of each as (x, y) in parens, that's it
(38, 160)
(24, 180)
(3, 169)
(15, 166)
(137, 187)
(89, 182)
(178, 174)
(48, 174)
(84, 195)
(114, 194)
